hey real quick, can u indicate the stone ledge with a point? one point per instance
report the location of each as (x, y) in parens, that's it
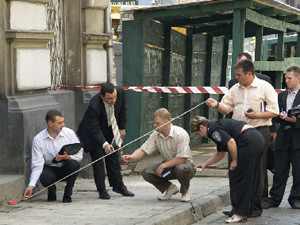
(28, 35)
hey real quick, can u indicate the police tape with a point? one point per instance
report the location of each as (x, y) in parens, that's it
(169, 90)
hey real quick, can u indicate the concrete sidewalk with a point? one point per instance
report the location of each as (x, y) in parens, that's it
(207, 196)
(209, 192)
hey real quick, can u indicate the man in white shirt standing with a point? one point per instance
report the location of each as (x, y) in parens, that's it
(45, 148)
(173, 144)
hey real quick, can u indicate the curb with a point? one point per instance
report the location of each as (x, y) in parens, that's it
(189, 213)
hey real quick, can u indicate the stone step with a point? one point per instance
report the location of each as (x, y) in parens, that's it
(11, 188)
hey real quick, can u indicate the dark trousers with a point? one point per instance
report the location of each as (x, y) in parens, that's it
(182, 172)
(113, 169)
(245, 178)
(283, 158)
(262, 186)
(52, 174)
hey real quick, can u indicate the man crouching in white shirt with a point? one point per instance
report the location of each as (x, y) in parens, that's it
(45, 148)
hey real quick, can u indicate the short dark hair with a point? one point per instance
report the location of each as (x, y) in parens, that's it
(247, 55)
(295, 70)
(246, 66)
(50, 116)
(107, 87)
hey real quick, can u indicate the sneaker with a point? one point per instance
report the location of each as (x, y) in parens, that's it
(185, 197)
(172, 190)
(236, 219)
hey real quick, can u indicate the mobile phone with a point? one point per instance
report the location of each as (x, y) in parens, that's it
(199, 170)
(165, 172)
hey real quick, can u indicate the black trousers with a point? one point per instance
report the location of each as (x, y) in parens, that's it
(113, 169)
(245, 178)
(52, 174)
(283, 159)
(263, 182)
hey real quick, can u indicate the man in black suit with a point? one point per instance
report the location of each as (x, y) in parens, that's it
(101, 131)
(287, 144)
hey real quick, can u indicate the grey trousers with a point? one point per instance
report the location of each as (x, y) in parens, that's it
(182, 172)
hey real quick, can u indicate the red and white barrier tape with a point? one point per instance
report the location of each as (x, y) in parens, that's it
(179, 90)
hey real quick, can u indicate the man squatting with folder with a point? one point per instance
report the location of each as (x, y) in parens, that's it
(45, 148)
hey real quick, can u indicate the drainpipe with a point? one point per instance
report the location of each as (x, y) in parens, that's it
(111, 69)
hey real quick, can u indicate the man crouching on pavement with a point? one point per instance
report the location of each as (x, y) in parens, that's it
(45, 148)
(173, 144)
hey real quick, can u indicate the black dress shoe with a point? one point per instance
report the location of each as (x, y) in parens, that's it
(268, 203)
(255, 214)
(104, 195)
(296, 205)
(51, 194)
(67, 199)
(123, 191)
(228, 213)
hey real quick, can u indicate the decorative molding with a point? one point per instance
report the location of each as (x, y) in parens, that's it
(99, 4)
(32, 1)
(89, 38)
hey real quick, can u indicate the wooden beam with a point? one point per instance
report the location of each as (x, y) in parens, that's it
(259, 44)
(211, 18)
(280, 57)
(188, 76)
(265, 21)
(269, 22)
(224, 67)
(238, 35)
(213, 29)
(133, 74)
(207, 79)
(292, 18)
(197, 9)
(298, 46)
(166, 64)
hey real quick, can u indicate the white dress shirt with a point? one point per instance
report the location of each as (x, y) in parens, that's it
(45, 148)
(239, 99)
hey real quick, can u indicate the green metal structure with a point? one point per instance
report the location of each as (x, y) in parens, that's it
(154, 54)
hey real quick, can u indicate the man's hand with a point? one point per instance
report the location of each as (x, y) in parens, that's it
(253, 114)
(284, 116)
(211, 102)
(127, 158)
(233, 164)
(108, 149)
(159, 170)
(123, 133)
(202, 166)
(28, 192)
(63, 157)
(273, 135)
